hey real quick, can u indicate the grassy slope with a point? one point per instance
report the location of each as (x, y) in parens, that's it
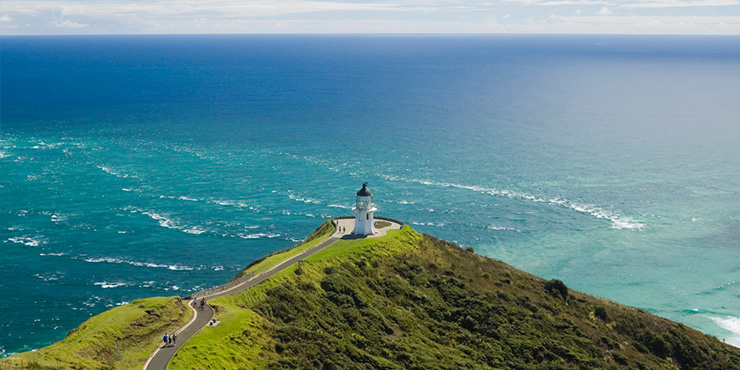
(120, 338)
(402, 301)
(239, 341)
(263, 264)
(410, 302)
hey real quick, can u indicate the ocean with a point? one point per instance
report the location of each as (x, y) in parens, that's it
(140, 166)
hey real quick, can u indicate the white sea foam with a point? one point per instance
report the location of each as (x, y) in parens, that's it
(439, 224)
(187, 198)
(259, 235)
(47, 277)
(26, 240)
(114, 172)
(501, 228)
(4, 154)
(224, 202)
(618, 221)
(338, 206)
(58, 218)
(136, 263)
(53, 254)
(194, 230)
(304, 200)
(106, 285)
(731, 324)
(165, 220)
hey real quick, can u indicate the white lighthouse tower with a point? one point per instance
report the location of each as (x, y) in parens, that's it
(364, 209)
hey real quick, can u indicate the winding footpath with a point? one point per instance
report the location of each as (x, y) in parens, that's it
(162, 355)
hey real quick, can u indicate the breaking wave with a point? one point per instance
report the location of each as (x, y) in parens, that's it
(618, 221)
(106, 285)
(113, 172)
(26, 240)
(136, 263)
(731, 324)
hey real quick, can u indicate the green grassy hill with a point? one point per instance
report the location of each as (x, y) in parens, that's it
(411, 301)
(120, 338)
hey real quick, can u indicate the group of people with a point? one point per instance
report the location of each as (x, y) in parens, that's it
(342, 229)
(169, 340)
(194, 302)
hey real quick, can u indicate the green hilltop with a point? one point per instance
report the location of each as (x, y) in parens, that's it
(401, 301)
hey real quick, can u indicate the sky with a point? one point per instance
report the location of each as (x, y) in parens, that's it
(62, 17)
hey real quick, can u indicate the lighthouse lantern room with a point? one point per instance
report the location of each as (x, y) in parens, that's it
(364, 212)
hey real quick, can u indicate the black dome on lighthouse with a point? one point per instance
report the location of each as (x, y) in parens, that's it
(364, 192)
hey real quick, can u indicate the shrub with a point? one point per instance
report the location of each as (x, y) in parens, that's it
(557, 289)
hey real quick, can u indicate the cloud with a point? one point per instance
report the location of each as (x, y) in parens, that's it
(351, 16)
(678, 4)
(68, 24)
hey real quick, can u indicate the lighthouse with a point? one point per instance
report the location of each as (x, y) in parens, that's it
(364, 209)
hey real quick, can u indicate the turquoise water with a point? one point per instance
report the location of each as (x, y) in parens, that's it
(137, 166)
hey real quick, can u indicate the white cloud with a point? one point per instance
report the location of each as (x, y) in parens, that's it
(68, 24)
(678, 4)
(353, 16)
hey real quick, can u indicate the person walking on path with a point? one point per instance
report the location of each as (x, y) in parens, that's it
(165, 339)
(169, 341)
(174, 339)
(202, 302)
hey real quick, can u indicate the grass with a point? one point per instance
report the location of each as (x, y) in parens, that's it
(241, 342)
(120, 338)
(407, 301)
(234, 343)
(318, 236)
(401, 301)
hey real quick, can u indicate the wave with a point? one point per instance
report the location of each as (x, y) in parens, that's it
(618, 221)
(107, 285)
(339, 206)
(115, 173)
(138, 264)
(4, 154)
(304, 200)
(501, 228)
(168, 222)
(439, 224)
(259, 235)
(27, 241)
(50, 277)
(731, 324)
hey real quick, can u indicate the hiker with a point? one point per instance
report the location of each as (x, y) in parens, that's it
(169, 341)
(202, 302)
(165, 339)
(174, 338)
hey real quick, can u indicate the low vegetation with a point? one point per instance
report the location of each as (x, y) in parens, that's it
(406, 301)
(120, 338)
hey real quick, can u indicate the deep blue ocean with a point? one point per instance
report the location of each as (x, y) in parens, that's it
(139, 166)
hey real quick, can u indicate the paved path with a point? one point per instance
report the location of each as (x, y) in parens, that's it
(161, 356)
